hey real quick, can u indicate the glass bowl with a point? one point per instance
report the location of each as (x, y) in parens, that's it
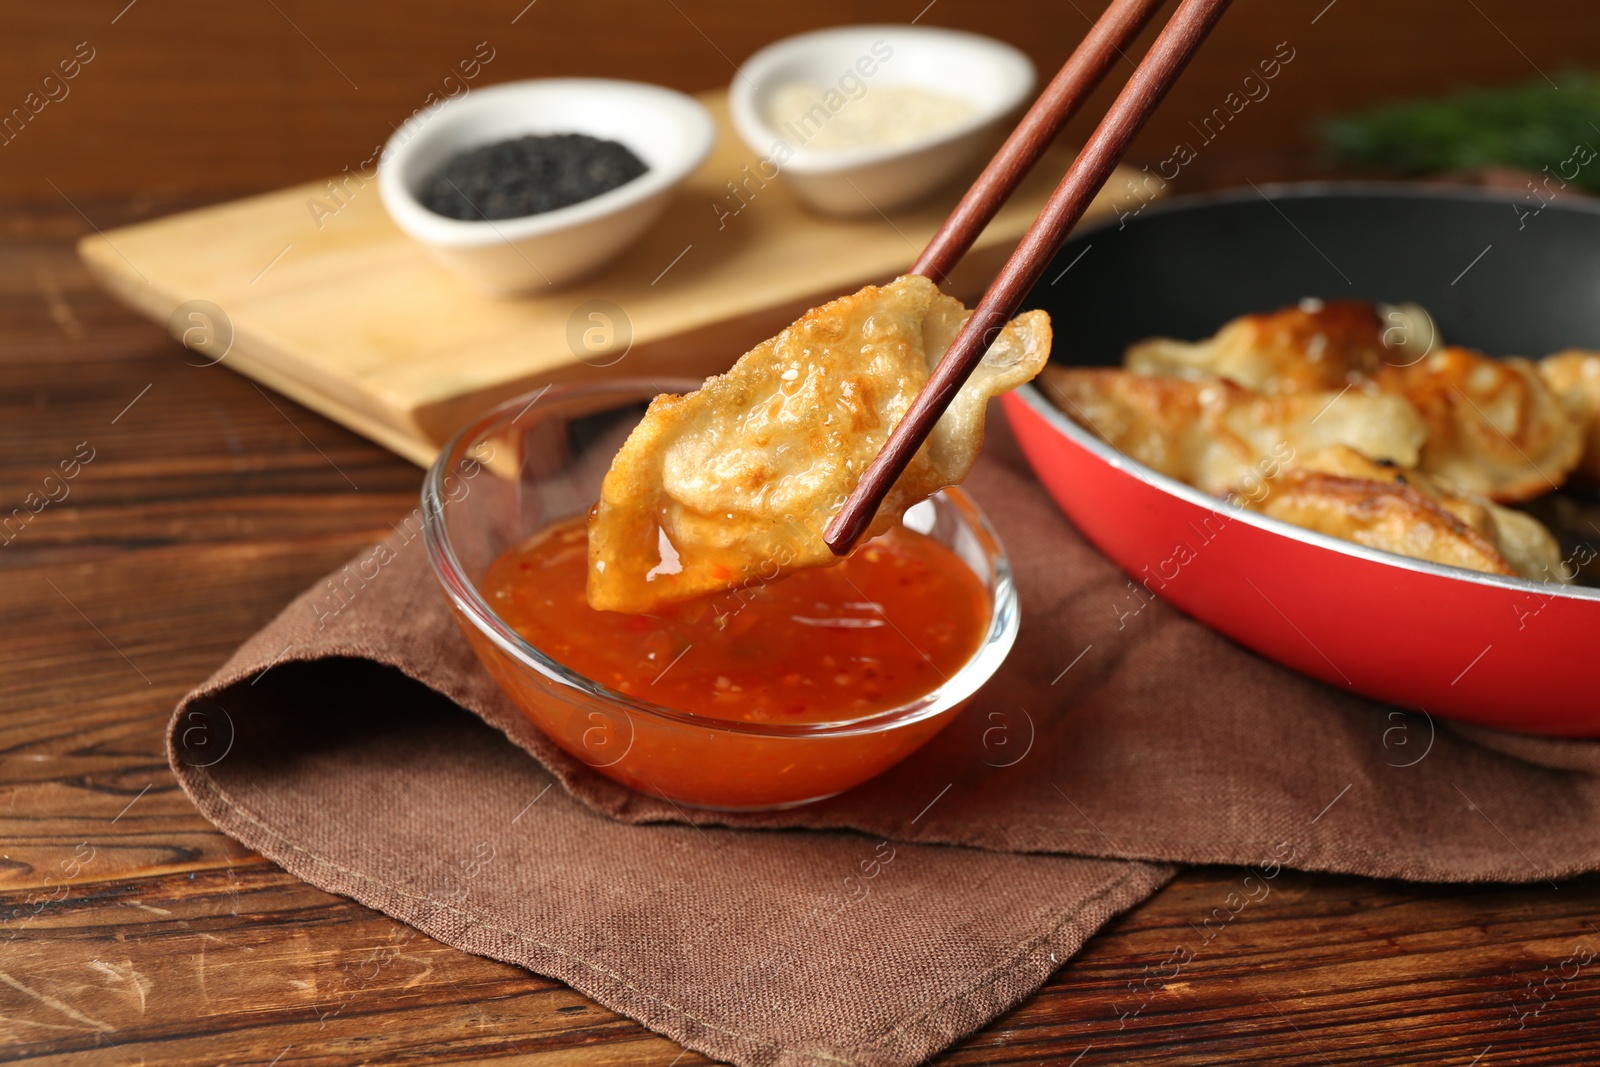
(537, 459)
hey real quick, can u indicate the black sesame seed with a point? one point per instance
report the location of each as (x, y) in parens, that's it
(528, 176)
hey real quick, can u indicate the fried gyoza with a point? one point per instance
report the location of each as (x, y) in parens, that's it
(1311, 347)
(1575, 374)
(1495, 428)
(1215, 435)
(1379, 386)
(736, 482)
(1342, 493)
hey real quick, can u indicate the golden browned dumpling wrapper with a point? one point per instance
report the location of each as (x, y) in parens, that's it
(1338, 491)
(1495, 428)
(1312, 347)
(1393, 517)
(733, 484)
(1575, 374)
(1216, 436)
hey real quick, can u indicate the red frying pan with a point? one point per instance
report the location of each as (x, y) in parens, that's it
(1509, 277)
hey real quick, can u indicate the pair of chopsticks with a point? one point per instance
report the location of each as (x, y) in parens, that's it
(1078, 77)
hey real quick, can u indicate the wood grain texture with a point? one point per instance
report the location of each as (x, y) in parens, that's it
(323, 298)
(207, 508)
(185, 96)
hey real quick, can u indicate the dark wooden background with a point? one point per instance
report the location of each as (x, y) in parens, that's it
(132, 933)
(195, 98)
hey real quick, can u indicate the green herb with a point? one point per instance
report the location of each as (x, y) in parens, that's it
(1532, 127)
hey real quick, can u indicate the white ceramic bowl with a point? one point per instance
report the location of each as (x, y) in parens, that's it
(993, 77)
(669, 131)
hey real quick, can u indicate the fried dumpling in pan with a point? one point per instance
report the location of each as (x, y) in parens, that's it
(1495, 428)
(1215, 435)
(736, 481)
(1338, 491)
(1392, 517)
(1575, 374)
(1312, 347)
(1528, 545)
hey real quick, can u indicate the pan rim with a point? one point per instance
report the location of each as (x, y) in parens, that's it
(1310, 190)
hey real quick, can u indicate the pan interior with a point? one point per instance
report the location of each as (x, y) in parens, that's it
(1496, 276)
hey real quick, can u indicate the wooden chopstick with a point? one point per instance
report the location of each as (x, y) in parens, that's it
(1079, 76)
(1171, 52)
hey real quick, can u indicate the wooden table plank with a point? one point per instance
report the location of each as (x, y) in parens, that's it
(244, 952)
(245, 960)
(1327, 970)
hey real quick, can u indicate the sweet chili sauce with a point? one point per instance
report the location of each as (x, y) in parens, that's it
(887, 625)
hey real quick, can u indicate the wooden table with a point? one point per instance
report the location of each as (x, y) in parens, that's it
(131, 932)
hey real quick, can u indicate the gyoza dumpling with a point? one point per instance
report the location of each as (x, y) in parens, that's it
(1215, 435)
(1312, 347)
(1340, 492)
(735, 482)
(1575, 374)
(1495, 428)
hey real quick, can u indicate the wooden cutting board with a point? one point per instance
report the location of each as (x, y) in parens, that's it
(314, 292)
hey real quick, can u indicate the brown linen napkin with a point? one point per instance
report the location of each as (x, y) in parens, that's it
(920, 905)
